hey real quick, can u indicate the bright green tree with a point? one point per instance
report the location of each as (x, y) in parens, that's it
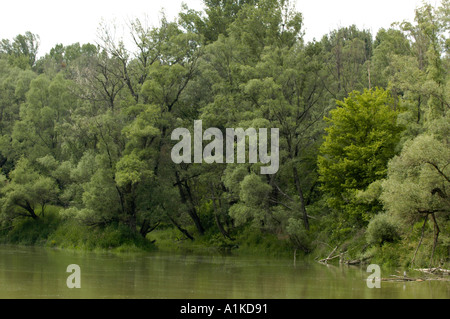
(360, 140)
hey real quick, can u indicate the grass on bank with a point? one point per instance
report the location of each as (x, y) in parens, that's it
(246, 242)
(54, 231)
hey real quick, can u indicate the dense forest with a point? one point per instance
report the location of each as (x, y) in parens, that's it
(363, 119)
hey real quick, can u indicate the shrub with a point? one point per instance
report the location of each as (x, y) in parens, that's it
(27, 231)
(382, 229)
(72, 234)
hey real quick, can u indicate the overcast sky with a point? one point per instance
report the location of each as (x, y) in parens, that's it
(67, 22)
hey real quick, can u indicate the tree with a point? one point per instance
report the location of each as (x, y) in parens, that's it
(48, 104)
(164, 94)
(286, 91)
(388, 45)
(416, 188)
(14, 84)
(254, 203)
(220, 14)
(22, 51)
(347, 61)
(26, 191)
(261, 76)
(422, 77)
(132, 103)
(360, 140)
(62, 58)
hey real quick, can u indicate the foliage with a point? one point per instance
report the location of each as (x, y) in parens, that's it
(361, 139)
(26, 192)
(363, 135)
(22, 51)
(415, 189)
(382, 229)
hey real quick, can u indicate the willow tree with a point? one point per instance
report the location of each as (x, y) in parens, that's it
(26, 192)
(263, 76)
(416, 189)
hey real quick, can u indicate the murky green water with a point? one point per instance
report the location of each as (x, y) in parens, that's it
(32, 272)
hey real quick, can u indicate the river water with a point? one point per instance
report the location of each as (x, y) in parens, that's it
(36, 272)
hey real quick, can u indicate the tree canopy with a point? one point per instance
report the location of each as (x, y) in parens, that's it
(362, 121)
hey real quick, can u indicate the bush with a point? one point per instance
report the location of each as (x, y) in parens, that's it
(72, 234)
(382, 229)
(252, 241)
(27, 231)
(390, 255)
(299, 235)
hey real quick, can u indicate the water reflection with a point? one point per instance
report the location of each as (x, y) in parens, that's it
(27, 272)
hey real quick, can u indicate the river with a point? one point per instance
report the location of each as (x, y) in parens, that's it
(36, 272)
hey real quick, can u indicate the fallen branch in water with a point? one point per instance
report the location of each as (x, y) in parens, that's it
(351, 262)
(400, 278)
(404, 278)
(326, 260)
(434, 271)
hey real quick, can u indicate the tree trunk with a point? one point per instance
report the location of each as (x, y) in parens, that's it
(43, 210)
(146, 228)
(421, 238)
(418, 109)
(29, 209)
(130, 207)
(191, 208)
(181, 229)
(302, 198)
(217, 216)
(436, 236)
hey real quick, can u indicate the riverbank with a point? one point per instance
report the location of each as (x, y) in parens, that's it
(56, 232)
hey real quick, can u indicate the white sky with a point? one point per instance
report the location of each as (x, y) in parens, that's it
(67, 22)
